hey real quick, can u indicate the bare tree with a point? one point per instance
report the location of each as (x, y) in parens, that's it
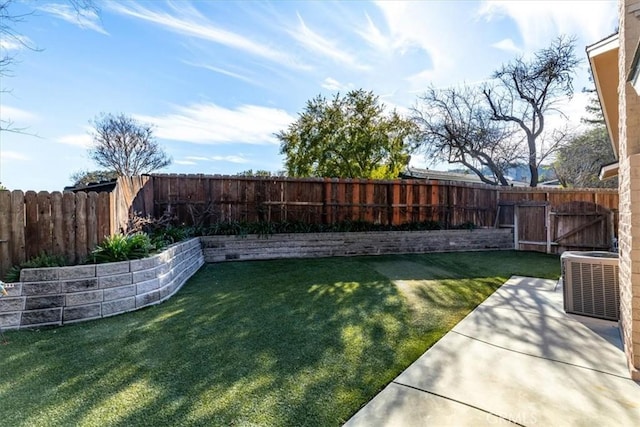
(11, 40)
(525, 91)
(456, 126)
(126, 146)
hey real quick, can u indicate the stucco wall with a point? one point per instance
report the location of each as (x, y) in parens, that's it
(629, 187)
(253, 247)
(61, 295)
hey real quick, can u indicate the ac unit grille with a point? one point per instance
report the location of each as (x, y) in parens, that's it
(591, 285)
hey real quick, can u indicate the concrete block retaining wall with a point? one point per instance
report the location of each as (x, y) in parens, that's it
(253, 247)
(61, 295)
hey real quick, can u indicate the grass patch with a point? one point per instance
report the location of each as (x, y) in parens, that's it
(287, 342)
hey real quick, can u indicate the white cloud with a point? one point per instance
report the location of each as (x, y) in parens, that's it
(314, 42)
(208, 123)
(372, 35)
(185, 162)
(81, 140)
(332, 84)
(424, 26)
(507, 45)
(15, 42)
(87, 19)
(238, 159)
(194, 160)
(231, 159)
(225, 72)
(537, 20)
(13, 155)
(16, 115)
(190, 22)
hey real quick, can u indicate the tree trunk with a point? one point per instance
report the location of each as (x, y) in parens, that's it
(533, 164)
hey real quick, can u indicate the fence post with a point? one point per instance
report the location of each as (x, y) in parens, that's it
(516, 242)
(547, 216)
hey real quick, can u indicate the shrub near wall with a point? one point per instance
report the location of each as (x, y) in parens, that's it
(302, 245)
(60, 295)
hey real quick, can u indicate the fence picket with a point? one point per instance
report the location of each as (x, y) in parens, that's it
(17, 239)
(31, 224)
(81, 226)
(45, 242)
(5, 231)
(68, 225)
(57, 227)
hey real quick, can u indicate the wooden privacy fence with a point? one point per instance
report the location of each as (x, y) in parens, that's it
(67, 224)
(72, 224)
(553, 221)
(201, 199)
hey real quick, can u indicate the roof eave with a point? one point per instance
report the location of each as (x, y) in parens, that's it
(604, 68)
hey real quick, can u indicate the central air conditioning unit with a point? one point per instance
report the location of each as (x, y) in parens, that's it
(590, 281)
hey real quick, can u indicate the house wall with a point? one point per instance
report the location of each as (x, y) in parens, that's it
(629, 187)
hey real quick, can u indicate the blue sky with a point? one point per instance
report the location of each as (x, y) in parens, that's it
(218, 78)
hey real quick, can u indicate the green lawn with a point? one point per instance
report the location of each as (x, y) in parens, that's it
(282, 343)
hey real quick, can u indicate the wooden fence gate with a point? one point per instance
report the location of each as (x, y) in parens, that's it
(541, 227)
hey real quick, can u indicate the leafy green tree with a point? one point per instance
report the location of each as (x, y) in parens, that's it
(259, 172)
(85, 177)
(594, 110)
(578, 162)
(347, 136)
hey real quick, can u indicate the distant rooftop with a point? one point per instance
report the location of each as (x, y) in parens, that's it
(429, 174)
(98, 187)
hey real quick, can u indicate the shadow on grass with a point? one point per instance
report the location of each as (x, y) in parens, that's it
(295, 342)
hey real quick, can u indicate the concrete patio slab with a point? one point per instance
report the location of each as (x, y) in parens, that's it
(553, 338)
(516, 359)
(402, 406)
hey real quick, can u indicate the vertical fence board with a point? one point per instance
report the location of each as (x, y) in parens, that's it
(68, 225)
(341, 201)
(31, 224)
(57, 229)
(17, 239)
(81, 226)
(5, 231)
(92, 221)
(102, 217)
(44, 222)
(355, 200)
